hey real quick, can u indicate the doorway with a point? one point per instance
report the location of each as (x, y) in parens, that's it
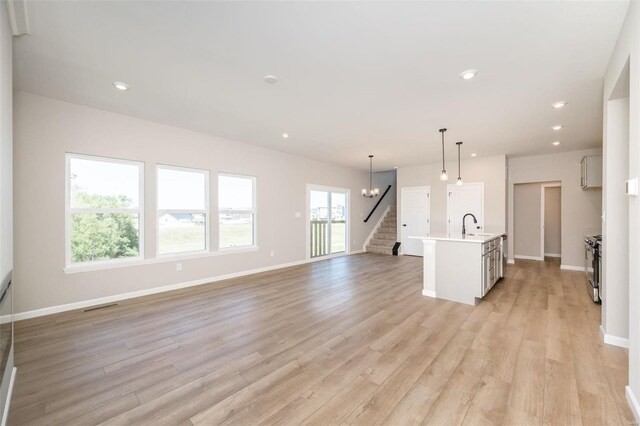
(463, 199)
(328, 226)
(551, 229)
(536, 220)
(415, 218)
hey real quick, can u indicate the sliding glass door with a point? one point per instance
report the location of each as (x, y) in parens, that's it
(328, 221)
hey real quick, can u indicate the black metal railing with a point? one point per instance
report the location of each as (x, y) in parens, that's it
(378, 203)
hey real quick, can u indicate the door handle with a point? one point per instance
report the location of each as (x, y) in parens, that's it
(404, 224)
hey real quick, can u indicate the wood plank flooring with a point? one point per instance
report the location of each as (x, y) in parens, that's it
(348, 341)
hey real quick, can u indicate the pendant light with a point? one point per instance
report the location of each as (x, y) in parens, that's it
(371, 192)
(443, 175)
(459, 181)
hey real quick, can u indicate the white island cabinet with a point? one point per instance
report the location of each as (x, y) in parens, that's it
(462, 268)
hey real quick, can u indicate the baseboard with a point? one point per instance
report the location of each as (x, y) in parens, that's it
(511, 261)
(131, 295)
(633, 403)
(5, 414)
(572, 268)
(429, 293)
(528, 257)
(552, 255)
(356, 251)
(616, 341)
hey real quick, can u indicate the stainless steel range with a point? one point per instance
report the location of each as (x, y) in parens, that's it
(592, 266)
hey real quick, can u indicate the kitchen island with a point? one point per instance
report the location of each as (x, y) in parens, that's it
(462, 268)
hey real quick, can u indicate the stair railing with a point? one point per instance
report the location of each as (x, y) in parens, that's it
(378, 203)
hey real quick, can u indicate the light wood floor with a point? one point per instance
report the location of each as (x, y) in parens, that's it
(344, 341)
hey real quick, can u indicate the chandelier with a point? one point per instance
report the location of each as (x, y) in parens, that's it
(371, 192)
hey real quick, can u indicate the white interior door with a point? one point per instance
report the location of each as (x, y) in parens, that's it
(463, 199)
(415, 218)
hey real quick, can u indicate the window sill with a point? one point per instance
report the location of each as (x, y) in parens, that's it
(73, 269)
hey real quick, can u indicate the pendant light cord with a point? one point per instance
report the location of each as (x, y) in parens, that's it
(459, 146)
(442, 132)
(371, 174)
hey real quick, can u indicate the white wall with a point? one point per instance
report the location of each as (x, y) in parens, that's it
(6, 187)
(490, 170)
(527, 220)
(627, 50)
(45, 129)
(6, 138)
(580, 209)
(615, 309)
(552, 220)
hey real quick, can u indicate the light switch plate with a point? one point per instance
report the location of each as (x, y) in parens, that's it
(632, 187)
(298, 214)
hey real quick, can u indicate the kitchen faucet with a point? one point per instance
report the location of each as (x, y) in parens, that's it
(464, 230)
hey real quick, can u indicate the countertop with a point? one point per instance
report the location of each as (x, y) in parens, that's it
(459, 237)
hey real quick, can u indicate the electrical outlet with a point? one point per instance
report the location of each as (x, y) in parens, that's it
(298, 214)
(178, 267)
(273, 253)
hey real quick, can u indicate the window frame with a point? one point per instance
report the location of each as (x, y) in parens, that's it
(329, 189)
(69, 264)
(253, 212)
(206, 212)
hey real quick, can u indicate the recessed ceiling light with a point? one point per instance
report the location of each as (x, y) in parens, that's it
(121, 86)
(474, 154)
(468, 74)
(270, 79)
(285, 135)
(556, 143)
(557, 127)
(559, 104)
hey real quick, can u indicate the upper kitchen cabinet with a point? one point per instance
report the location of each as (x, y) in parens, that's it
(591, 171)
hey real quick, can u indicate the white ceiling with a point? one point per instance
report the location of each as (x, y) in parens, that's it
(355, 78)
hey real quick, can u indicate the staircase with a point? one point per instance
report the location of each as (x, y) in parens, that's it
(386, 235)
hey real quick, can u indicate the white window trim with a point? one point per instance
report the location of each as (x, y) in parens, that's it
(254, 211)
(81, 267)
(106, 263)
(206, 212)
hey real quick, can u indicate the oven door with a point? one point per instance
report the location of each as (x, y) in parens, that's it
(590, 270)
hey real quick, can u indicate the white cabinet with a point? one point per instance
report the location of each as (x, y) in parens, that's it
(591, 171)
(487, 271)
(492, 264)
(462, 268)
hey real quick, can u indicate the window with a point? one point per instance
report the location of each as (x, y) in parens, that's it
(103, 209)
(328, 225)
(183, 210)
(236, 211)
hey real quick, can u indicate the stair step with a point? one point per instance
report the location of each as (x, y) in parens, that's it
(384, 236)
(380, 250)
(381, 242)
